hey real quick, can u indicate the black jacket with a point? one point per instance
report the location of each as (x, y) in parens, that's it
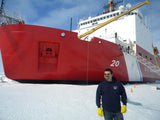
(110, 94)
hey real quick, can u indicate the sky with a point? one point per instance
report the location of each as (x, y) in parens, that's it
(58, 13)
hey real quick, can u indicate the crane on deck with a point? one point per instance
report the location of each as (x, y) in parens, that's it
(111, 20)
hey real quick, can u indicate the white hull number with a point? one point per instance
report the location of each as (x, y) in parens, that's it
(115, 63)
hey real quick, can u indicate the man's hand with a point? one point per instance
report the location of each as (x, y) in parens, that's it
(100, 112)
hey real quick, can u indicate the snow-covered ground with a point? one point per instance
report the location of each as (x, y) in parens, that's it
(71, 102)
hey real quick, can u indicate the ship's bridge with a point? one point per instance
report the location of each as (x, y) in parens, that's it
(127, 30)
(124, 26)
(94, 21)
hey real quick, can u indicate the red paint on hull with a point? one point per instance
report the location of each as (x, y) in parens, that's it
(147, 74)
(41, 53)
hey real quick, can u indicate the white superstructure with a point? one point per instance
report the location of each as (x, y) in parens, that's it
(128, 30)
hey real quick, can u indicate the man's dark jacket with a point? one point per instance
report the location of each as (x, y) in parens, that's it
(110, 93)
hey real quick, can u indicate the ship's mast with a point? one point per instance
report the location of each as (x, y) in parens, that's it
(111, 6)
(1, 9)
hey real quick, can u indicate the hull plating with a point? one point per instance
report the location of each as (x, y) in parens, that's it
(41, 53)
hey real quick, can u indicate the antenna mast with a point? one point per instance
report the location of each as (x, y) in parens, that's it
(1, 9)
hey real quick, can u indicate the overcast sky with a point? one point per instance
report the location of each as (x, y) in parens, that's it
(57, 13)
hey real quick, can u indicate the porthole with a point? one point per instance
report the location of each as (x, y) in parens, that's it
(63, 34)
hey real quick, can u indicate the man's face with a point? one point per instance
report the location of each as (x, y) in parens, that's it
(108, 76)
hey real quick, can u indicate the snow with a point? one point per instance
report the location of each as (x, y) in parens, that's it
(71, 102)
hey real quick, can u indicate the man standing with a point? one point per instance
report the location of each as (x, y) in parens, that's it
(110, 92)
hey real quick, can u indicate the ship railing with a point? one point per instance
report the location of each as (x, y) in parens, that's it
(148, 64)
(122, 43)
(127, 47)
(8, 17)
(14, 15)
(117, 39)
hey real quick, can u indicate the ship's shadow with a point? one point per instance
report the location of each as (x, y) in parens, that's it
(140, 104)
(134, 103)
(72, 82)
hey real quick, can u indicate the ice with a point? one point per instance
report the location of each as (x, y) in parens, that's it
(71, 102)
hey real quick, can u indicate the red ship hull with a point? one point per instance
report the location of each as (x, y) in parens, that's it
(40, 53)
(149, 69)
